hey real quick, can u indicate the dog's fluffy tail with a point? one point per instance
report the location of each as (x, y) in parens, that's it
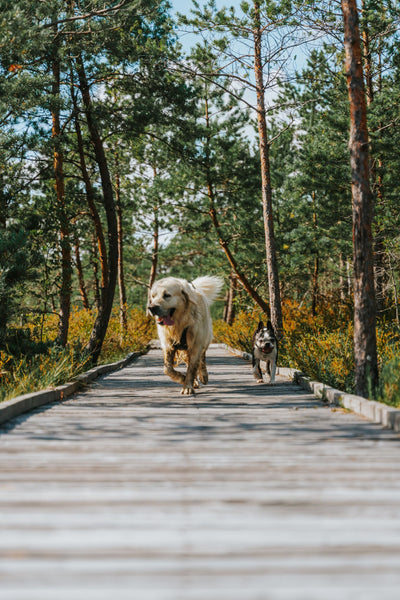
(209, 285)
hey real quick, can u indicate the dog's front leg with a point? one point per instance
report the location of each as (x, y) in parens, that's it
(272, 368)
(193, 366)
(203, 373)
(257, 370)
(169, 370)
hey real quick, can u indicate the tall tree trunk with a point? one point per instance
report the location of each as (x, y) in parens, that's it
(123, 318)
(107, 294)
(272, 264)
(229, 314)
(369, 87)
(315, 277)
(3, 203)
(81, 279)
(376, 179)
(315, 286)
(223, 243)
(366, 365)
(96, 284)
(65, 244)
(90, 195)
(342, 280)
(154, 254)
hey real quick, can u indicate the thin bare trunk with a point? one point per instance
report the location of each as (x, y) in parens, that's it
(369, 88)
(154, 254)
(222, 241)
(366, 366)
(315, 286)
(230, 307)
(94, 257)
(3, 203)
(107, 296)
(342, 284)
(81, 279)
(376, 179)
(395, 291)
(123, 318)
(65, 244)
(156, 234)
(315, 277)
(272, 264)
(90, 197)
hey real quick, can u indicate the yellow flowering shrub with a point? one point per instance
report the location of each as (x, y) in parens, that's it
(321, 346)
(239, 334)
(53, 366)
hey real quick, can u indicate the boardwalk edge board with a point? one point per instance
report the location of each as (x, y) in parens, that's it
(372, 410)
(22, 404)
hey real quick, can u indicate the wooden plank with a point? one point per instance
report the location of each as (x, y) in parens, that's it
(245, 491)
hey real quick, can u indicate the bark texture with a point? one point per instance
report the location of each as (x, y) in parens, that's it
(123, 315)
(272, 263)
(107, 293)
(366, 368)
(65, 243)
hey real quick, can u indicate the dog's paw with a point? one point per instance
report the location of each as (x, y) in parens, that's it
(187, 391)
(260, 380)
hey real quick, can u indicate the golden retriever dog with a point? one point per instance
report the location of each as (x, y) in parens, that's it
(182, 313)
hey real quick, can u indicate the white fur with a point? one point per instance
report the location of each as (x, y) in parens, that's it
(185, 305)
(264, 348)
(270, 363)
(209, 285)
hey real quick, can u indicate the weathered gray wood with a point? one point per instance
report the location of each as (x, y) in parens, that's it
(130, 491)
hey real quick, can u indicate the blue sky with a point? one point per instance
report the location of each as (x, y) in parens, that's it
(296, 58)
(184, 6)
(187, 39)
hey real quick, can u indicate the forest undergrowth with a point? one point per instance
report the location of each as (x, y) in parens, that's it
(33, 362)
(321, 346)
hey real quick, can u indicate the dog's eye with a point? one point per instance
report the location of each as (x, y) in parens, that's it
(166, 295)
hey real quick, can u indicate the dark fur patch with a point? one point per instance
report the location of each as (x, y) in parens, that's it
(182, 344)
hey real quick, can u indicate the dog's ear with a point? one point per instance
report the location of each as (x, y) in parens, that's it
(188, 299)
(269, 326)
(260, 326)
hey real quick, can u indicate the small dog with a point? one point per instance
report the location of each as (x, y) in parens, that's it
(182, 313)
(265, 348)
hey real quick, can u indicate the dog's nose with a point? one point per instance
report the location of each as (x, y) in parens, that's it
(153, 310)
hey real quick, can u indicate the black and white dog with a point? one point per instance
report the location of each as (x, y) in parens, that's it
(265, 348)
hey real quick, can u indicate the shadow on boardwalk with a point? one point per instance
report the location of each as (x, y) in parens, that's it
(244, 491)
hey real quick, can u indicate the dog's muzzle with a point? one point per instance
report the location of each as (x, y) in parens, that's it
(266, 348)
(154, 310)
(163, 317)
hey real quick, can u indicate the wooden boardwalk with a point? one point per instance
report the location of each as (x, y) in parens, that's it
(244, 492)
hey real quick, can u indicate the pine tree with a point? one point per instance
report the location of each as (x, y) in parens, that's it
(253, 47)
(312, 182)
(127, 50)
